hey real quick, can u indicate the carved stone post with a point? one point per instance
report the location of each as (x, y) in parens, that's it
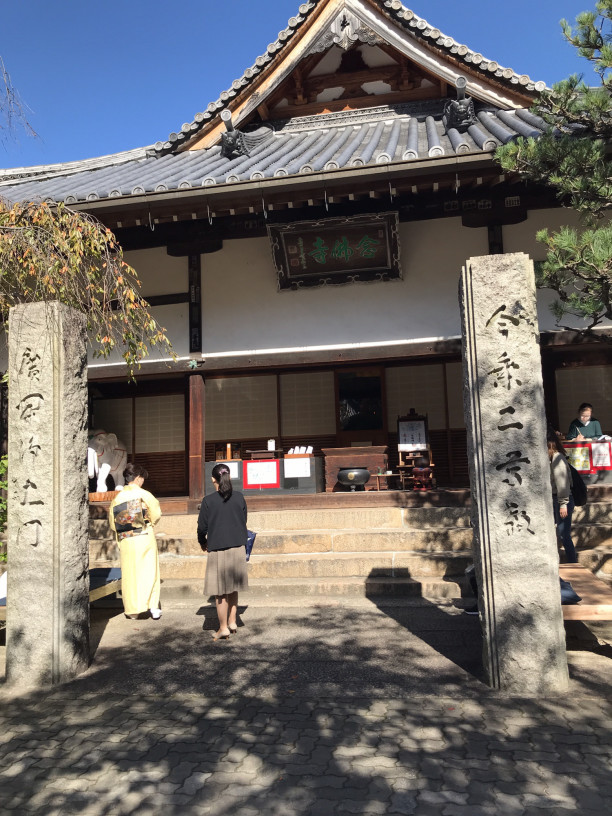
(516, 559)
(48, 586)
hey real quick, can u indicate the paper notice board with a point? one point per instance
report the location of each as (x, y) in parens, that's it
(297, 468)
(260, 473)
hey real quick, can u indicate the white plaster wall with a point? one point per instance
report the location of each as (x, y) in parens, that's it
(242, 308)
(159, 273)
(522, 238)
(174, 319)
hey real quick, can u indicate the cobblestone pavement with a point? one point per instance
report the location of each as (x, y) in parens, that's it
(305, 712)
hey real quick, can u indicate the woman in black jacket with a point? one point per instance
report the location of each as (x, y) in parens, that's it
(222, 531)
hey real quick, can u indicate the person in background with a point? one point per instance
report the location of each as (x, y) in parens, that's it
(585, 426)
(563, 501)
(222, 531)
(132, 516)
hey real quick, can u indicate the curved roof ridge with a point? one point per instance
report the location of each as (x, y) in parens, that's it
(46, 171)
(416, 25)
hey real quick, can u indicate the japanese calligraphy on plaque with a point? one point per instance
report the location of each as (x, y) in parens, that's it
(336, 250)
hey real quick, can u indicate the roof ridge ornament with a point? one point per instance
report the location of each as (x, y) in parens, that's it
(236, 143)
(345, 30)
(459, 113)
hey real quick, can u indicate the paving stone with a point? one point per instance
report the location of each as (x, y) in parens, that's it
(548, 801)
(509, 805)
(403, 803)
(441, 797)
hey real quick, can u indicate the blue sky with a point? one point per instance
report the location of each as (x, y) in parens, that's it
(103, 77)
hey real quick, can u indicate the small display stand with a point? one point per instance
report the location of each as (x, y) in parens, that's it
(413, 445)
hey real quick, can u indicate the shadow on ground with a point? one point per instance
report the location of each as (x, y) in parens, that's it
(305, 711)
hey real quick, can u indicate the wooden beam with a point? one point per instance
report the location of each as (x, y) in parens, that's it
(197, 440)
(195, 303)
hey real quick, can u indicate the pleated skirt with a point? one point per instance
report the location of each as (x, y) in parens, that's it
(226, 571)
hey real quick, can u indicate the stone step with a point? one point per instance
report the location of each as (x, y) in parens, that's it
(325, 565)
(598, 560)
(587, 536)
(593, 513)
(458, 539)
(184, 526)
(321, 590)
(317, 541)
(331, 565)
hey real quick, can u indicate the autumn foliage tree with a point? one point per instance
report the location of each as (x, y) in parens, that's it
(573, 157)
(50, 252)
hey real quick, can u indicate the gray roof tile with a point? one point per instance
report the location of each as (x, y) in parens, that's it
(313, 144)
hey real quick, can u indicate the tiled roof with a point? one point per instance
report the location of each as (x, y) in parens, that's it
(417, 26)
(304, 145)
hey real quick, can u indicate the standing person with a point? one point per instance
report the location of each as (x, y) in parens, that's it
(132, 515)
(222, 531)
(585, 426)
(563, 501)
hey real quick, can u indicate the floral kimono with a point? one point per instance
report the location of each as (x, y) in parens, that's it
(131, 516)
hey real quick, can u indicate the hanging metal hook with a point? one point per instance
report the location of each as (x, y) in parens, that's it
(210, 218)
(326, 201)
(391, 196)
(151, 222)
(263, 207)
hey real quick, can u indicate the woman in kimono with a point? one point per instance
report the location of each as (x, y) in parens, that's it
(132, 515)
(222, 531)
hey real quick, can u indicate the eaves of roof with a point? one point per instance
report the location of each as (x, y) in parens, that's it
(411, 22)
(300, 147)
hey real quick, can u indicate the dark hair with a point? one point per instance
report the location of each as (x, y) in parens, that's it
(584, 406)
(422, 462)
(553, 443)
(133, 471)
(221, 475)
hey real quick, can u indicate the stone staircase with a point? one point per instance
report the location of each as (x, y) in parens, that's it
(394, 545)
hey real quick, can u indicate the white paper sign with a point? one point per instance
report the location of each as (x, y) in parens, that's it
(296, 468)
(601, 454)
(261, 472)
(412, 436)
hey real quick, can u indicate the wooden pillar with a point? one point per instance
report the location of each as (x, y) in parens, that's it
(197, 391)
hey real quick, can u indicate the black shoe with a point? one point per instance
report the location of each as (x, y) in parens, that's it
(471, 610)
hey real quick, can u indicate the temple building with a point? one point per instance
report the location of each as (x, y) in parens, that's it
(301, 240)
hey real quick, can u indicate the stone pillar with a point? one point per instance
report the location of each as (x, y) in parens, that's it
(517, 564)
(48, 560)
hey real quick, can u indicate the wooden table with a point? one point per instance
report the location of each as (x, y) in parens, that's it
(596, 603)
(379, 476)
